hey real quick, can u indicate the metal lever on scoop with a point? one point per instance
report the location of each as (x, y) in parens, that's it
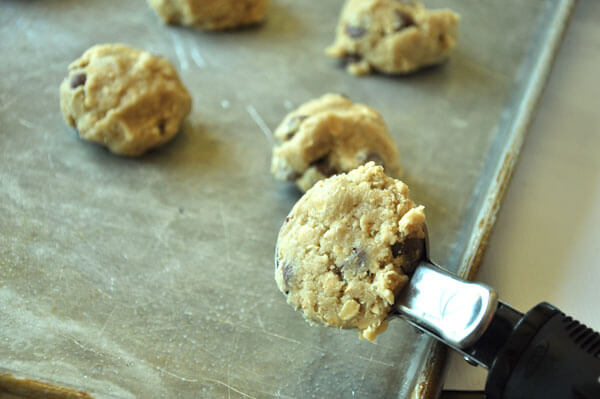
(455, 311)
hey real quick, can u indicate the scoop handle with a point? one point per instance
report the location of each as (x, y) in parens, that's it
(548, 355)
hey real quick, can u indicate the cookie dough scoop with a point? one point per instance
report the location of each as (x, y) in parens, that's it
(542, 354)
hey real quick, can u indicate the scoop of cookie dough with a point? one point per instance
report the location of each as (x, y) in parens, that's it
(211, 14)
(393, 37)
(345, 250)
(123, 98)
(330, 135)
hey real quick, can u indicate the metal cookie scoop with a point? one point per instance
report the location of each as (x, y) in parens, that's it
(542, 354)
(453, 310)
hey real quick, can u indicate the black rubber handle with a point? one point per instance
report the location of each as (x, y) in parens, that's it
(548, 355)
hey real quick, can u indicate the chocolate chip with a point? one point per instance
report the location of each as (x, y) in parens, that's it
(78, 80)
(404, 21)
(356, 261)
(412, 249)
(324, 167)
(443, 39)
(397, 249)
(355, 32)
(286, 272)
(293, 125)
(351, 59)
(292, 175)
(374, 157)
(162, 124)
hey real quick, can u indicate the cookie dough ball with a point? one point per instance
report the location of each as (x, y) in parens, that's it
(345, 250)
(393, 37)
(211, 14)
(330, 135)
(123, 98)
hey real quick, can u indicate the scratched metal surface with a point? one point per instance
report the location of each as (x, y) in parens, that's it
(153, 277)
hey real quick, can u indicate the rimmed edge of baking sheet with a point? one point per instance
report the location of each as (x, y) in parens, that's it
(28, 388)
(430, 382)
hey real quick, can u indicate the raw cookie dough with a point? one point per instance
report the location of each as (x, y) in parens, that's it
(328, 136)
(393, 37)
(346, 248)
(211, 14)
(123, 98)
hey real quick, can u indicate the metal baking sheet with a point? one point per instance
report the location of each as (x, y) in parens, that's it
(153, 277)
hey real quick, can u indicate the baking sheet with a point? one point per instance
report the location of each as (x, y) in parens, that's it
(153, 277)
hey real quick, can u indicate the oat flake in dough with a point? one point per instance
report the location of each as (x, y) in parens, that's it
(346, 248)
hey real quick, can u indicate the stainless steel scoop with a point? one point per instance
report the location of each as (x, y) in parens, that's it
(543, 354)
(455, 311)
